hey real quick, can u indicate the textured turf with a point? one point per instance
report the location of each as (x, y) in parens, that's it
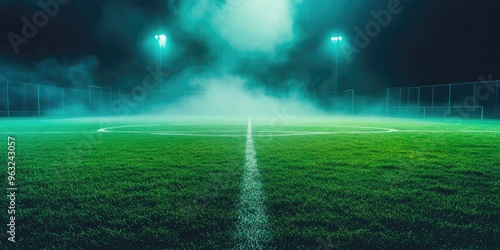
(327, 182)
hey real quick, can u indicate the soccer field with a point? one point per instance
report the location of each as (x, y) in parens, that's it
(306, 183)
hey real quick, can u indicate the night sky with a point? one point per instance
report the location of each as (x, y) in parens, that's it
(427, 42)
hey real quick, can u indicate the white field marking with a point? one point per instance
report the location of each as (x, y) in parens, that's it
(333, 125)
(104, 130)
(198, 133)
(252, 230)
(50, 132)
(164, 124)
(259, 133)
(450, 131)
(282, 133)
(210, 124)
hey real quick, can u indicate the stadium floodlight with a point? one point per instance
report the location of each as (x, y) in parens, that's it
(162, 41)
(335, 40)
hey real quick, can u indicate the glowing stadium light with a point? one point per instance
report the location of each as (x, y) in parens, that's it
(162, 40)
(336, 38)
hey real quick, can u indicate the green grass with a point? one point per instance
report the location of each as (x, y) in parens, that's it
(392, 190)
(136, 188)
(113, 191)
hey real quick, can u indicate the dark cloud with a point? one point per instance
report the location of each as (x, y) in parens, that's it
(430, 41)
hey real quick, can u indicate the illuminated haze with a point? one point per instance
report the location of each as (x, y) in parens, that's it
(245, 56)
(239, 32)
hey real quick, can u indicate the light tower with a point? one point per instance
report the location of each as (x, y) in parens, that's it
(336, 40)
(162, 42)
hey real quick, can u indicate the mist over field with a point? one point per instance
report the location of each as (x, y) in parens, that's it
(234, 57)
(278, 51)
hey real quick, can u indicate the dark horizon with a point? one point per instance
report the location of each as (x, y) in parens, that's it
(424, 43)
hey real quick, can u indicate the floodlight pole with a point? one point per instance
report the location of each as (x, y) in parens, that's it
(336, 40)
(161, 42)
(336, 74)
(160, 63)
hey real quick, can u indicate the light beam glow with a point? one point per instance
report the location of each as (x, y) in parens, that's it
(162, 40)
(336, 38)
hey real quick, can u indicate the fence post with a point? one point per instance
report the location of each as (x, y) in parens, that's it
(38, 97)
(449, 100)
(90, 105)
(7, 93)
(408, 102)
(474, 103)
(432, 99)
(47, 101)
(62, 94)
(119, 101)
(100, 101)
(387, 101)
(352, 99)
(399, 108)
(352, 102)
(24, 98)
(110, 101)
(185, 103)
(496, 101)
(418, 102)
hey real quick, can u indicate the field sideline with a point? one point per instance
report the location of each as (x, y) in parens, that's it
(237, 183)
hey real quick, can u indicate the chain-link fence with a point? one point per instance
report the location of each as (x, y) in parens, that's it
(476, 100)
(23, 99)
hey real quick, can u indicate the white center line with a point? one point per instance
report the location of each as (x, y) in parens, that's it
(252, 231)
